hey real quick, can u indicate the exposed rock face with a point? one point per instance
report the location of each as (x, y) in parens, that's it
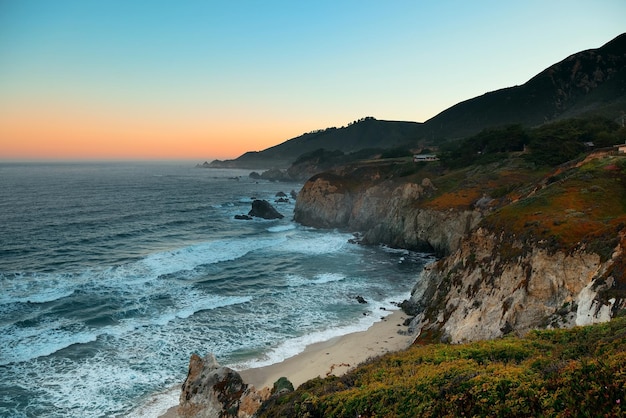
(385, 212)
(494, 285)
(276, 174)
(263, 209)
(489, 284)
(212, 391)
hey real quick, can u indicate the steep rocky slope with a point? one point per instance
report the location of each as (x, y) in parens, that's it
(524, 248)
(477, 293)
(370, 199)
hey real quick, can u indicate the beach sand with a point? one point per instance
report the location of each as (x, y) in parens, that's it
(335, 356)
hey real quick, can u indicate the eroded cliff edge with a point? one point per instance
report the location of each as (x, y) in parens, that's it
(371, 200)
(520, 249)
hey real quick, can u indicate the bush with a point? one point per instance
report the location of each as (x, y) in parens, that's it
(560, 373)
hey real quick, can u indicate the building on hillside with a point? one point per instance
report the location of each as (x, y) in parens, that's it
(424, 157)
(621, 149)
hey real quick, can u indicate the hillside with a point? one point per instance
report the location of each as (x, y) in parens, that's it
(531, 228)
(558, 373)
(527, 238)
(363, 134)
(588, 83)
(591, 82)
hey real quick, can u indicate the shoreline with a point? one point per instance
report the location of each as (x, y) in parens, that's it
(332, 357)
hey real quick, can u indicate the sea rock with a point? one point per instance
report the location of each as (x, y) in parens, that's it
(360, 299)
(213, 391)
(243, 217)
(263, 209)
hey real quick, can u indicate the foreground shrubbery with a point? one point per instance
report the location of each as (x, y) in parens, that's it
(557, 373)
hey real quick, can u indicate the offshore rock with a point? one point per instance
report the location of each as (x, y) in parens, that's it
(263, 209)
(494, 285)
(211, 391)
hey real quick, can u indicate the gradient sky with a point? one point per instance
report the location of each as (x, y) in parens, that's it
(120, 79)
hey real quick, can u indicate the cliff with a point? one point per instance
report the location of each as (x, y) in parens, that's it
(370, 199)
(494, 285)
(522, 247)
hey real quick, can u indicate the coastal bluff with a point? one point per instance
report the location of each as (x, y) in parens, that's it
(382, 210)
(493, 278)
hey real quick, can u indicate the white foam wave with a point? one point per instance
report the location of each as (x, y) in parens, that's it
(35, 288)
(188, 258)
(24, 345)
(209, 302)
(294, 346)
(321, 278)
(315, 244)
(281, 228)
(88, 387)
(157, 404)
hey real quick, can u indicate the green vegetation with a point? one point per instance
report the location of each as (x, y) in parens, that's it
(549, 145)
(558, 373)
(580, 206)
(559, 142)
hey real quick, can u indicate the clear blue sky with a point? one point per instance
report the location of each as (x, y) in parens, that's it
(208, 79)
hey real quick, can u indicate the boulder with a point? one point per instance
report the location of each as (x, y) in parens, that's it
(282, 386)
(214, 391)
(263, 209)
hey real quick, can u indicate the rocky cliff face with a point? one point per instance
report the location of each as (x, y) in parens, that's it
(495, 278)
(494, 285)
(383, 211)
(212, 391)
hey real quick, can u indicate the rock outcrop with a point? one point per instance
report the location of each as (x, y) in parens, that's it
(212, 391)
(494, 285)
(384, 212)
(495, 278)
(263, 209)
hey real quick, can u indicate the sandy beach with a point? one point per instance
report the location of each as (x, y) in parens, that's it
(335, 356)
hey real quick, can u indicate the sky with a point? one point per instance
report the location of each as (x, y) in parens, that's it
(203, 80)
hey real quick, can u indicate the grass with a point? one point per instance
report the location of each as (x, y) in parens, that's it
(583, 205)
(556, 373)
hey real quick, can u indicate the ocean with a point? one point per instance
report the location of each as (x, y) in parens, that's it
(113, 274)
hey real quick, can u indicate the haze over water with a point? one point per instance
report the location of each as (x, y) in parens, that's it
(113, 274)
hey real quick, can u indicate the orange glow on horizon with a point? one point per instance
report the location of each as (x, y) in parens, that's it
(59, 134)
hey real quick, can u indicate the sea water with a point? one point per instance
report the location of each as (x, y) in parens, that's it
(113, 274)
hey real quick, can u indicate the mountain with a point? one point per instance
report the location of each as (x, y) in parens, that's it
(591, 82)
(364, 133)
